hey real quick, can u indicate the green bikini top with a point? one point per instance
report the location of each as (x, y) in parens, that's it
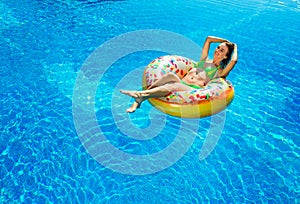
(210, 71)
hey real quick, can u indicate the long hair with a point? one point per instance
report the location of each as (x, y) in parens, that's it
(230, 47)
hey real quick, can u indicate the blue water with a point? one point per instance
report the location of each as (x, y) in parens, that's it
(43, 47)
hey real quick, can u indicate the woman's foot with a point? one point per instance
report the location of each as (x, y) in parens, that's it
(137, 97)
(134, 94)
(133, 107)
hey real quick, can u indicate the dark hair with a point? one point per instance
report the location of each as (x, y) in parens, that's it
(230, 47)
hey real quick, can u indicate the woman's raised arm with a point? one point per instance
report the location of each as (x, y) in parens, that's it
(234, 58)
(206, 46)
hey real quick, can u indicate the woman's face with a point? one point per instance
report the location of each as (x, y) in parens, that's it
(220, 52)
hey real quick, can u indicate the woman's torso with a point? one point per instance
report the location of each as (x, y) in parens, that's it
(203, 72)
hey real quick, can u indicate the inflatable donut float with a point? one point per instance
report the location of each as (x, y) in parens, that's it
(214, 97)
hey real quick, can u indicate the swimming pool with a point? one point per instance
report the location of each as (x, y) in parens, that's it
(44, 46)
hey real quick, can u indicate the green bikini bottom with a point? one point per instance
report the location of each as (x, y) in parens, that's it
(191, 85)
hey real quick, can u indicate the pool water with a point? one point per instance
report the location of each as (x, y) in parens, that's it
(44, 45)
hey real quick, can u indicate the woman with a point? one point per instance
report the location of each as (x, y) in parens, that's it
(225, 58)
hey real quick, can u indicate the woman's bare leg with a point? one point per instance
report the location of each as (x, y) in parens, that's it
(170, 77)
(140, 96)
(153, 91)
